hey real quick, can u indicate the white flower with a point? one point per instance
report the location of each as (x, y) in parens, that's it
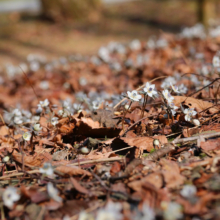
(134, 96)
(27, 136)
(216, 61)
(148, 212)
(35, 119)
(96, 104)
(183, 89)
(206, 82)
(53, 192)
(173, 108)
(16, 112)
(44, 85)
(104, 54)
(64, 113)
(10, 196)
(47, 169)
(135, 45)
(189, 113)
(18, 120)
(37, 127)
(67, 104)
(167, 96)
(111, 212)
(188, 191)
(174, 88)
(173, 211)
(167, 81)
(54, 121)
(149, 89)
(44, 104)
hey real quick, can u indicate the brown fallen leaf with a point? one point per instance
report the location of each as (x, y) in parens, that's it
(211, 144)
(78, 186)
(72, 171)
(198, 104)
(144, 143)
(171, 173)
(36, 160)
(88, 127)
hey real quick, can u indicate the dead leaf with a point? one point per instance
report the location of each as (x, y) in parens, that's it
(211, 144)
(36, 160)
(72, 171)
(88, 127)
(198, 104)
(171, 173)
(78, 186)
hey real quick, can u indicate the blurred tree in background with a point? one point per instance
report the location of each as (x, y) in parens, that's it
(60, 10)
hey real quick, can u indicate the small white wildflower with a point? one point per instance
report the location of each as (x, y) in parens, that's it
(216, 61)
(64, 113)
(27, 136)
(148, 212)
(167, 81)
(47, 169)
(188, 191)
(174, 88)
(44, 103)
(167, 96)
(37, 127)
(135, 45)
(196, 122)
(35, 119)
(53, 192)
(54, 121)
(150, 89)
(44, 85)
(34, 66)
(189, 113)
(173, 211)
(10, 196)
(206, 82)
(18, 120)
(134, 96)
(112, 211)
(104, 54)
(173, 108)
(183, 89)
(82, 81)
(17, 112)
(96, 105)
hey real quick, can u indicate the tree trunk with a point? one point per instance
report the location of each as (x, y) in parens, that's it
(59, 10)
(206, 10)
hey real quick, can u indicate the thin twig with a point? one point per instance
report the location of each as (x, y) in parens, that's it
(182, 140)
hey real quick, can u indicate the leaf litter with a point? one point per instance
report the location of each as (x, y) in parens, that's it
(129, 133)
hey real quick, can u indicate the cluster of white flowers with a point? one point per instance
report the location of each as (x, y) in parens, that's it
(189, 113)
(196, 31)
(14, 117)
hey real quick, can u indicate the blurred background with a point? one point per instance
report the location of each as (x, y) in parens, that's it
(56, 28)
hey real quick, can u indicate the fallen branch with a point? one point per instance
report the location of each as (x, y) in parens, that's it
(182, 140)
